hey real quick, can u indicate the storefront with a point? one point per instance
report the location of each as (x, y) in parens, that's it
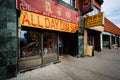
(45, 31)
(93, 33)
(37, 47)
(94, 39)
(106, 39)
(119, 41)
(110, 41)
(111, 35)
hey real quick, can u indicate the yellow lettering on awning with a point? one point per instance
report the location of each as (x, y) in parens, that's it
(39, 21)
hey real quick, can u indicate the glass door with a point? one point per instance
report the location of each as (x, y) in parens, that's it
(50, 47)
(29, 44)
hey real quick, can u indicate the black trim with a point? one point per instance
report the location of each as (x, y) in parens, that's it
(100, 1)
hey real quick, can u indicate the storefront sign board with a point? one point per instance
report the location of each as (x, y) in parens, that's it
(95, 20)
(39, 21)
(49, 8)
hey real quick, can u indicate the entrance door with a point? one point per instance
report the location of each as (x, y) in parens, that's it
(69, 44)
(50, 47)
(64, 44)
(94, 39)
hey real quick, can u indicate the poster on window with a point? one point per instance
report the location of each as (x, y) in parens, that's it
(29, 44)
(49, 43)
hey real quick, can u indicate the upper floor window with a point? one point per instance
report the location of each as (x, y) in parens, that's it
(94, 12)
(70, 2)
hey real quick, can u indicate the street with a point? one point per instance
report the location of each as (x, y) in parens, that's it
(104, 65)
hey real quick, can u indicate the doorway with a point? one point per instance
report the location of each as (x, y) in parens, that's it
(68, 44)
(94, 39)
(50, 47)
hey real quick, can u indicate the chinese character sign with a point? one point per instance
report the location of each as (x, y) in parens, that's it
(49, 8)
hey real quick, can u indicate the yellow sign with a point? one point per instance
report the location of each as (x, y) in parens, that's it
(96, 20)
(39, 21)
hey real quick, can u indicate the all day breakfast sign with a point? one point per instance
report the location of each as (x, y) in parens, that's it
(44, 22)
(51, 11)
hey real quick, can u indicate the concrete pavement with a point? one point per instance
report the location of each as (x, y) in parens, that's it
(104, 65)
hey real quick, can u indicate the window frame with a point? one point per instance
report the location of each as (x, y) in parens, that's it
(70, 2)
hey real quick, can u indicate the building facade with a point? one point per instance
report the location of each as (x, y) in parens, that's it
(45, 31)
(111, 35)
(93, 31)
(36, 33)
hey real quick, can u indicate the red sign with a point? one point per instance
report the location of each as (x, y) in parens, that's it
(86, 6)
(49, 8)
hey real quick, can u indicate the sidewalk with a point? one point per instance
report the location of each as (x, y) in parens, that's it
(104, 65)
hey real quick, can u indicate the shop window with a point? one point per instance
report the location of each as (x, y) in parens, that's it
(67, 1)
(29, 43)
(70, 2)
(73, 3)
(49, 43)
